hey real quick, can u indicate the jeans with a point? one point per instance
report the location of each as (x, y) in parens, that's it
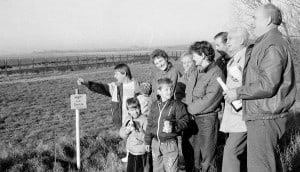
(262, 139)
(136, 163)
(165, 156)
(199, 143)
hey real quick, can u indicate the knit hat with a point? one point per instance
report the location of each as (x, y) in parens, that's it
(146, 88)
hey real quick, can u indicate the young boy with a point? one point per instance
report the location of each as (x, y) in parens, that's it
(160, 59)
(134, 130)
(144, 97)
(167, 118)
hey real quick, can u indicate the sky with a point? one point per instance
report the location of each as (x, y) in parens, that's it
(43, 25)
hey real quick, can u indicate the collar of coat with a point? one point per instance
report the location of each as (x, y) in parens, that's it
(207, 68)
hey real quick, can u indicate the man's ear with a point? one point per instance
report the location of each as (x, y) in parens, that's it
(242, 41)
(269, 20)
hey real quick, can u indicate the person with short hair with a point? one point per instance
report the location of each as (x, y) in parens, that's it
(220, 40)
(232, 122)
(268, 91)
(160, 59)
(204, 105)
(133, 130)
(167, 119)
(189, 68)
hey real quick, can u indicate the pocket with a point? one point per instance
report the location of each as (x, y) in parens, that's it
(170, 147)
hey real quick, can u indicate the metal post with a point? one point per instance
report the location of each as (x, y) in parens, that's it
(77, 136)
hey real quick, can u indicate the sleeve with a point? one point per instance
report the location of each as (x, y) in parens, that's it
(211, 99)
(124, 133)
(150, 124)
(182, 118)
(269, 77)
(98, 88)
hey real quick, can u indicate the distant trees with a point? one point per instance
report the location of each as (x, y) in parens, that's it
(291, 14)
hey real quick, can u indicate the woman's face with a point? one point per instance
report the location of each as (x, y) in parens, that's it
(119, 76)
(160, 63)
(187, 62)
(197, 58)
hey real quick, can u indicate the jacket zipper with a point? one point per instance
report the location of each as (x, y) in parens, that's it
(160, 113)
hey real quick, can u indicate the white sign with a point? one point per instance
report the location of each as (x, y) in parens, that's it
(78, 101)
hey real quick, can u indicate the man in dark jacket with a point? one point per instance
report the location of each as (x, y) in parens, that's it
(268, 91)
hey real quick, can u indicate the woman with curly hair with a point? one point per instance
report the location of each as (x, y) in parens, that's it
(204, 97)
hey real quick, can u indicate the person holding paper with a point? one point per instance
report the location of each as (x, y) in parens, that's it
(268, 91)
(232, 122)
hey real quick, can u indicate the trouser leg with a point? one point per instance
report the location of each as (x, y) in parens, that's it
(234, 147)
(204, 142)
(170, 156)
(157, 156)
(263, 136)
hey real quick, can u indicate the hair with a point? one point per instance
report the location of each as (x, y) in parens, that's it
(223, 36)
(242, 32)
(133, 103)
(159, 53)
(124, 69)
(203, 47)
(274, 12)
(186, 54)
(164, 81)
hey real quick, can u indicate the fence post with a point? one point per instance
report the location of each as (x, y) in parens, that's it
(32, 63)
(19, 64)
(67, 63)
(56, 63)
(5, 66)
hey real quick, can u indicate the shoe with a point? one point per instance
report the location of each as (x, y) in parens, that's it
(125, 159)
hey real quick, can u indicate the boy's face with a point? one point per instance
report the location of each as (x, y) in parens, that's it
(165, 91)
(119, 76)
(160, 63)
(187, 63)
(134, 112)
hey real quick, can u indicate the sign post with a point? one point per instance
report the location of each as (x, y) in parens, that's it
(78, 101)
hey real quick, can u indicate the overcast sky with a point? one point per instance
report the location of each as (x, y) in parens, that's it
(37, 25)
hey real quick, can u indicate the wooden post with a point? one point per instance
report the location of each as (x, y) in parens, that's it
(5, 65)
(32, 63)
(67, 63)
(19, 64)
(56, 63)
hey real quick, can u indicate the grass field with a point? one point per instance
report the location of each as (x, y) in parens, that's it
(37, 126)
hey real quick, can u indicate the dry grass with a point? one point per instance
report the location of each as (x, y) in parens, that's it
(36, 119)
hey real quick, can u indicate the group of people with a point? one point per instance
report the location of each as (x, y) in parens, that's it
(193, 105)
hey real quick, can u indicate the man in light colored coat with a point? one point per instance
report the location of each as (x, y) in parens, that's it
(232, 122)
(268, 91)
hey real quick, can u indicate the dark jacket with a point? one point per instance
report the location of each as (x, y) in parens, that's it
(269, 85)
(205, 91)
(171, 110)
(116, 106)
(222, 61)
